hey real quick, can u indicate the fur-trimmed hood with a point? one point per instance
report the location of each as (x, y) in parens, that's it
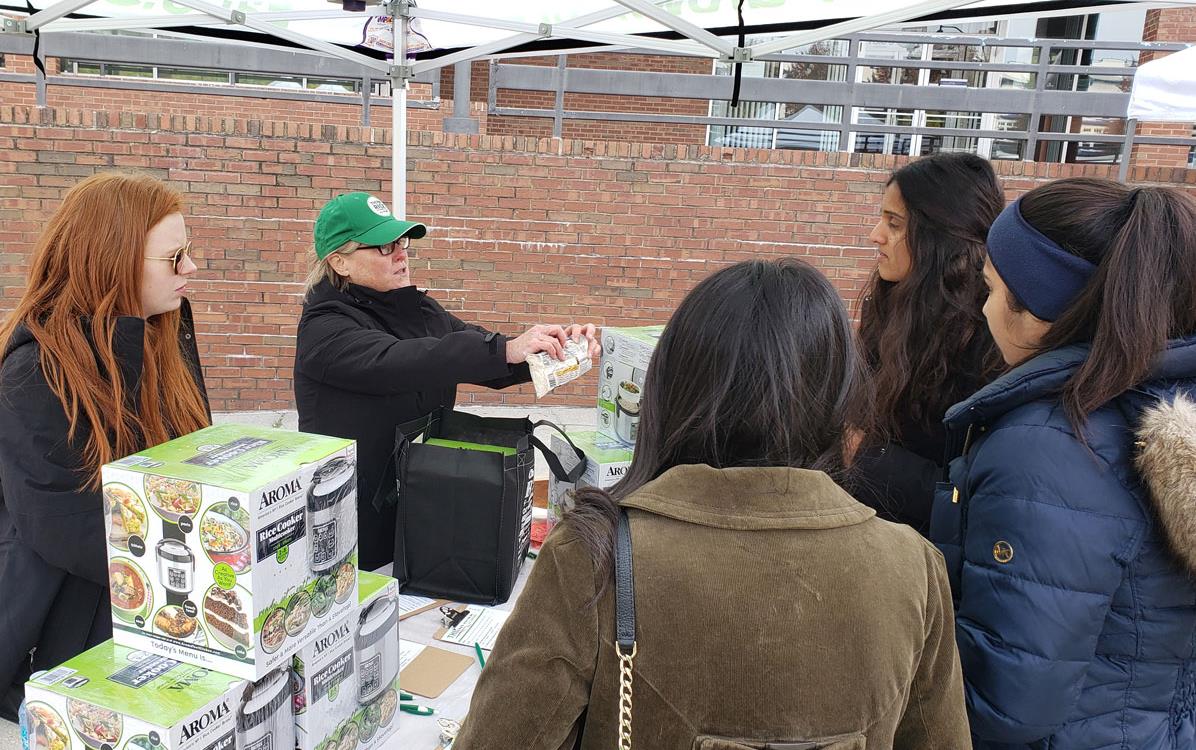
(1166, 458)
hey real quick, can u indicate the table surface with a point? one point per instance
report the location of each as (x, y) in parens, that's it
(423, 732)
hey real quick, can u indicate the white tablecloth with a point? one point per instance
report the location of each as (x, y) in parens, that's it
(422, 732)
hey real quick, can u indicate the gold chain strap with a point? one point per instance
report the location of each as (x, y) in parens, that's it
(626, 662)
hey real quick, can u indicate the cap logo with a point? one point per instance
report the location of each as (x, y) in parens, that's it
(377, 206)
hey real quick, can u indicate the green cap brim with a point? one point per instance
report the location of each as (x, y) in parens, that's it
(389, 231)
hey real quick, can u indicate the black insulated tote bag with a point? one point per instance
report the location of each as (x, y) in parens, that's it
(464, 514)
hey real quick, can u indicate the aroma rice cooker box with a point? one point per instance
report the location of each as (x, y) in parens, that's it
(232, 547)
(114, 697)
(347, 680)
(607, 462)
(625, 356)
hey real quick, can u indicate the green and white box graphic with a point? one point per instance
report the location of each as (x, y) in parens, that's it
(347, 680)
(232, 547)
(115, 698)
(607, 460)
(625, 356)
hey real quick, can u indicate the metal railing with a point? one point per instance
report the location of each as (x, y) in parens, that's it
(955, 101)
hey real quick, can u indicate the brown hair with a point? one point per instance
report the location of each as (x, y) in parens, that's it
(1143, 244)
(86, 272)
(925, 337)
(777, 382)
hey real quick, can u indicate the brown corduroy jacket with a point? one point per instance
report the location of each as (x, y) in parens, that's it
(773, 611)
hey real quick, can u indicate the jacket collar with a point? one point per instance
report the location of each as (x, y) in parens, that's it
(360, 296)
(1047, 373)
(750, 498)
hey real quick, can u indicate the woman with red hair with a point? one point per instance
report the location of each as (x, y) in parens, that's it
(97, 361)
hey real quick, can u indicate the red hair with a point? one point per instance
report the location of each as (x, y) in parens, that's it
(87, 267)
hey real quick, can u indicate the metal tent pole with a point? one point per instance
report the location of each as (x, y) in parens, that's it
(398, 113)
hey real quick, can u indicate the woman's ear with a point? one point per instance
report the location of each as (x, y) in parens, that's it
(339, 263)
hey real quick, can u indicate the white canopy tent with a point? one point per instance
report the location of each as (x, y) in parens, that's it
(1164, 91)
(438, 33)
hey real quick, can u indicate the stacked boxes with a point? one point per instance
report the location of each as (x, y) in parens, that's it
(626, 353)
(625, 356)
(112, 696)
(232, 547)
(238, 619)
(347, 681)
(607, 462)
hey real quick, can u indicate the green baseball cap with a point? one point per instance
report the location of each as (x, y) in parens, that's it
(362, 218)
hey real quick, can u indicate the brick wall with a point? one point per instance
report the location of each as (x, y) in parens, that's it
(1165, 25)
(249, 106)
(522, 230)
(641, 132)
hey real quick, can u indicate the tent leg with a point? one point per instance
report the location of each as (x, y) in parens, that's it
(398, 133)
(1127, 149)
(40, 77)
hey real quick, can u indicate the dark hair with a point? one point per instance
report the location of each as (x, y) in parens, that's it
(1143, 244)
(756, 367)
(925, 337)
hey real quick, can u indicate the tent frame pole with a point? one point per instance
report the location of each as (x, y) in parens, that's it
(399, 73)
(863, 23)
(1127, 150)
(498, 45)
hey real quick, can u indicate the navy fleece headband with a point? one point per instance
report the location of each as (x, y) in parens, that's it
(1041, 274)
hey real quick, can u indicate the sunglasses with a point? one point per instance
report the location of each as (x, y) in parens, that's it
(175, 260)
(403, 242)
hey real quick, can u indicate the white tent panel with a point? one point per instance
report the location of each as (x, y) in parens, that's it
(1165, 89)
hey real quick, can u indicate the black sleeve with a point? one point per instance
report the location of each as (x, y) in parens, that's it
(897, 483)
(332, 348)
(519, 373)
(41, 478)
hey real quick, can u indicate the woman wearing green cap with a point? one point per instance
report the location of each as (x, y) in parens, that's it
(373, 351)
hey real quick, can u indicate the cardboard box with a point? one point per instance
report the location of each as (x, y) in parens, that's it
(607, 462)
(347, 680)
(232, 547)
(625, 356)
(112, 696)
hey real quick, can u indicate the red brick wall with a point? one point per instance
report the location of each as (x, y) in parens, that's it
(522, 230)
(1165, 25)
(249, 106)
(640, 132)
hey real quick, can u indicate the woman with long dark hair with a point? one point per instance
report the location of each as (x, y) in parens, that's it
(1070, 532)
(97, 361)
(770, 604)
(920, 325)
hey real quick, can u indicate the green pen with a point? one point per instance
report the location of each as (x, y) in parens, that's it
(406, 696)
(481, 659)
(411, 708)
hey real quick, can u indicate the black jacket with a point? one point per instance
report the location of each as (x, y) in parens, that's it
(897, 479)
(367, 361)
(53, 563)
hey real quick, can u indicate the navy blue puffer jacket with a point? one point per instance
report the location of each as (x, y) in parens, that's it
(1073, 567)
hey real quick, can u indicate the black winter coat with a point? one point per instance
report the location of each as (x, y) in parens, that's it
(897, 479)
(53, 563)
(367, 361)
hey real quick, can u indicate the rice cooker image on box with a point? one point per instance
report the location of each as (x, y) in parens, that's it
(176, 566)
(266, 719)
(332, 514)
(376, 649)
(627, 416)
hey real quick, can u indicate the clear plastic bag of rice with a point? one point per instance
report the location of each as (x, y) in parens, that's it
(548, 372)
